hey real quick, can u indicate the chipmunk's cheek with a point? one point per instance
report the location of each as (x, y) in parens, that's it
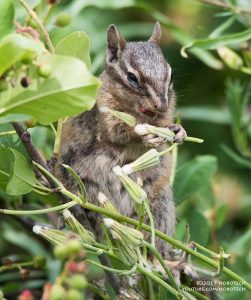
(146, 112)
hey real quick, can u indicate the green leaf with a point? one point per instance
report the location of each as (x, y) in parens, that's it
(77, 45)
(22, 177)
(193, 177)
(16, 172)
(69, 90)
(7, 12)
(14, 48)
(14, 118)
(199, 228)
(236, 157)
(214, 43)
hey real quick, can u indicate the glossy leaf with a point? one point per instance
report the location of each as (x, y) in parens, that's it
(214, 43)
(193, 177)
(16, 47)
(77, 45)
(7, 12)
(22, 177)
(69, 90)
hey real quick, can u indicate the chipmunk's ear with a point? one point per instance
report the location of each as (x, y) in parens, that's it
(156, 36)
(115, 43)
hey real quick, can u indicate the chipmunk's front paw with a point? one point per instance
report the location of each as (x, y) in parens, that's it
(151, 140)
(180, 133)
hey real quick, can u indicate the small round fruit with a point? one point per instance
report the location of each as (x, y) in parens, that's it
(73, 294)
(74, 246)
(61, 251)
(78, 282)
(32, 24)
(3, 86)
(63, 20)
(39, 261)
(57, 292)
(25, 82)
(44, 70)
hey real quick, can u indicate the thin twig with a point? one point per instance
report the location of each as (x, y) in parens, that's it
(226, 6)
(40, 24)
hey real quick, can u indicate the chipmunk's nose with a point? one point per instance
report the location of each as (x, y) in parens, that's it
(161, 105)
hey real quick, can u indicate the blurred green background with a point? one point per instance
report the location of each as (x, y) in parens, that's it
(212, 185)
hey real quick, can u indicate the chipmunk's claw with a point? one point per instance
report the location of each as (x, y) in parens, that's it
(151, 140)
(180, 133)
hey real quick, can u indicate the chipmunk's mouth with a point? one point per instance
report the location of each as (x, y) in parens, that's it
(147, 112)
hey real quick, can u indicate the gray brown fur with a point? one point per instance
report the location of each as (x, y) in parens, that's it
(93, 142)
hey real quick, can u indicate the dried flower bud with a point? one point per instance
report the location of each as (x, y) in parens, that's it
(130, 235)
(106, 204)
(137, 194)
(24, 273)
(147, 160)
(230, 58)
(128, 119)
(56, 237)
(143, 129)
(85, 235)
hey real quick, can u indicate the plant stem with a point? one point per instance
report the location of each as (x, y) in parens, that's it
(193, 139)
(226, 6)
(121, 272)
(58, 138)
(97, 291)
(11, 132)
(209, 252)
(148, 211)
(158, 280)
(35, 17)
(160, 259)
(16, 266)
(168, 239)
(38, 211)
(174, 165)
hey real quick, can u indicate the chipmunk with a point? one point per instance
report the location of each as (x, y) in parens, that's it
(137, 80)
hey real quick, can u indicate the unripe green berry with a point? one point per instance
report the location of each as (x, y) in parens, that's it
(57, 292)
(77, 282)
(61, 251)
(73, 295)
(63, 20)
(32, 24)
(44, 70)
(74, 246)
(3, 86)
(39, 261)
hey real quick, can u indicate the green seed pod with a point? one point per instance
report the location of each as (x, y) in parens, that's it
(32, 24)
(73, 294)
(63, 20)
(44, 70)
(230, 58)
(3, 86)
(74, 246)
(78, 282)
(57, 292)
(61, 252)
(39, 261)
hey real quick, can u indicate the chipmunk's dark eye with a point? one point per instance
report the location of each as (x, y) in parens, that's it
(132, 78)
